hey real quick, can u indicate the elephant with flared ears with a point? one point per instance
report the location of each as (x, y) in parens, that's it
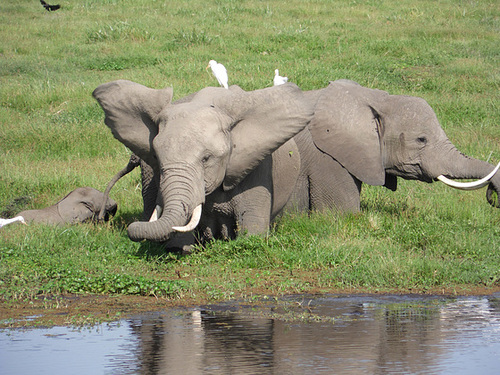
(361, 135)
(212, 148)
(81, 205)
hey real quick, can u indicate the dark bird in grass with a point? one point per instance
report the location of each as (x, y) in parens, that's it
(50, 8)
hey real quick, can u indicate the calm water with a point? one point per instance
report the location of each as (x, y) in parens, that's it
(296, 335)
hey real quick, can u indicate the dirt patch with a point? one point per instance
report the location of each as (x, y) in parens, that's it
(82, 310)
(79, 310)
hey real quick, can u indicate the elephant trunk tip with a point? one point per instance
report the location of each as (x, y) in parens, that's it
(139, 231)
(470, 185)
(193, 222)
(493, 196)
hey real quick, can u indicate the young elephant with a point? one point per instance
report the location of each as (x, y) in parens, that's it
(360, 135)
(212, 150)
(81, 205)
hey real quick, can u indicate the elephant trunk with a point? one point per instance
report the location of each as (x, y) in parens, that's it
(460, 166)
(134, 161)
(474, 185)
(180, 192)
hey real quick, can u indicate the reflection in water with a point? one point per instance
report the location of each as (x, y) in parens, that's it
(301, 335)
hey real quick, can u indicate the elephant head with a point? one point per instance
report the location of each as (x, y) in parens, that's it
(81, 205)
(212, 139)
(378, 137)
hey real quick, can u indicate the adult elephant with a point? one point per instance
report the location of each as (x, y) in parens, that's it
(81, 205)
(212, 150)
(361, 135)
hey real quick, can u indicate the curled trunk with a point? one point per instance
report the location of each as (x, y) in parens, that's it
(180, 193)
(134, 161)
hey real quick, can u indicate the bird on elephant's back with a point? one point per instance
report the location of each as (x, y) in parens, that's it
(280, 147)
(213, 149)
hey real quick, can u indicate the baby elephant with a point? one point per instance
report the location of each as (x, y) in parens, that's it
(82, 204)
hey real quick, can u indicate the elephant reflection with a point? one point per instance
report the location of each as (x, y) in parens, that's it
(192, 343)
(367, 336)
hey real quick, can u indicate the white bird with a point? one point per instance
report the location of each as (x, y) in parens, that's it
(4, 222)
(219, 71)
(279, 80)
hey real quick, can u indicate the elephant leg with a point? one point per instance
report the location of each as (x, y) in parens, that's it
(247, 212)
(253, 204)
(285, 175)
(181, 242)
(150, 185)
(323, 183)
(249, 218)
(246, 209)
(218, 217)
(336, 190)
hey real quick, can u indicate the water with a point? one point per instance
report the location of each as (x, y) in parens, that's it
(361, 334)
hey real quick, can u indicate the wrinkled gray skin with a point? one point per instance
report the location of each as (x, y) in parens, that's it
(356, 135)
(81, 205)
(212, 148)
(361, 135)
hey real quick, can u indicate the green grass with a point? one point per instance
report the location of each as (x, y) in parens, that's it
(53, 139)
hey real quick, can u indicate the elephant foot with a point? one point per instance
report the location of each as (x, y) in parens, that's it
(187, 250)
(181, 242)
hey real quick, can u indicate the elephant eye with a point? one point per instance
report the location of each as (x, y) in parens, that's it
(205, 159)
(422, 140)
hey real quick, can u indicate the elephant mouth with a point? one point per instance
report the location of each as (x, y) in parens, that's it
(410, 172)
(191, 225)
(473, 185)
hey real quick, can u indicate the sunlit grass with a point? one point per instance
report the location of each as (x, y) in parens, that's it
(53, 139)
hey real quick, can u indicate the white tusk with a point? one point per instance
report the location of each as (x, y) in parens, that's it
(469, 185)
(195, 219)
(156, 213)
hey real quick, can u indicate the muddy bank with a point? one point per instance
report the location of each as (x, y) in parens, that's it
(80, 310)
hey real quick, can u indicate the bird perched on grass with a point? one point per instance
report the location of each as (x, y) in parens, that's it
(48, 7)
(219, 71)
(279, 80)
(4, 222)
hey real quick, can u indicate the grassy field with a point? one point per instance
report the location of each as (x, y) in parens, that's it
(53, 139)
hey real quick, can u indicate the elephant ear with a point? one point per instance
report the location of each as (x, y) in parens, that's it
(263, 120)
(348, 126)
(131, 110)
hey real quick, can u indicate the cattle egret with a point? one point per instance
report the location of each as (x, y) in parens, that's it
(279, 80)
(219, 72)
(4, 222)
